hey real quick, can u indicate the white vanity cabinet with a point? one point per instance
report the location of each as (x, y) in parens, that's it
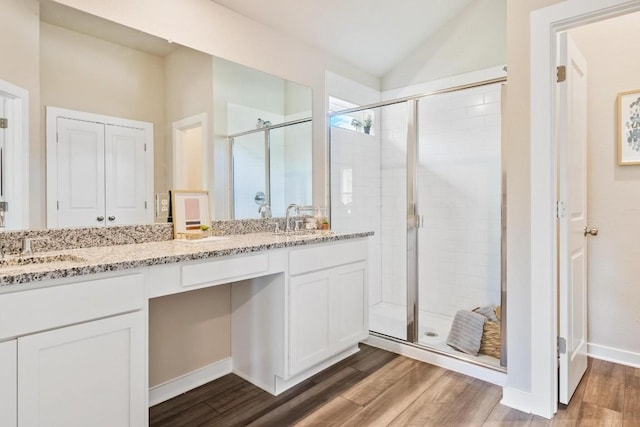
(91, 374)
(79, 351)
(8, 381)
(328, 302)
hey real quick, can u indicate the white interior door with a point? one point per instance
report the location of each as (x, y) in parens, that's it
(572, 219)
(125, 166)
(81, 174)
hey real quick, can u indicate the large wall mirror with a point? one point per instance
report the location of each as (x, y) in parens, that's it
(241, 134)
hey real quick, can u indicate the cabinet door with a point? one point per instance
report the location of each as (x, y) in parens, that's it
(310, 335)
(8, 384)
(80, 165)
(125, 165)
(90, 374)
(349, 305)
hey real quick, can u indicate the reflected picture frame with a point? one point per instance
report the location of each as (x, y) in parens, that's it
(628, 104)
(190, 211)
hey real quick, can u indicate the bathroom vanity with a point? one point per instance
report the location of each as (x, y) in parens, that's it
(74, 330)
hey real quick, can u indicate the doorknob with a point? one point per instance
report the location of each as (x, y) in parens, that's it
(113, 218)
(100, 218)
(590, 231)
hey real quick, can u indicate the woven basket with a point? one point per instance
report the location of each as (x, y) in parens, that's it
(490, 344)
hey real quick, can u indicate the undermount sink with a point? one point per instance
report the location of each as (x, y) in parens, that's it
(203, 240)
(306, 233)
(38, 259)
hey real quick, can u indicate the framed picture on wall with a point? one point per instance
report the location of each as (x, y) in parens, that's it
(629, 128)
(190, 211)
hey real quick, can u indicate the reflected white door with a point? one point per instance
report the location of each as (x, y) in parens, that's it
(572, 219)
(81, 174)
(125, 171)
(99, 170)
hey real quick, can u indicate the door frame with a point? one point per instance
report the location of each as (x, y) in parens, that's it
(545, 25)
(178, 127)
(18, 135)
(52, 114)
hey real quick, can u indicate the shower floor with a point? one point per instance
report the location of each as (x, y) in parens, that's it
(391, 319)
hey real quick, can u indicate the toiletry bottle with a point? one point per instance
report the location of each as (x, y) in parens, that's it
(321, 218)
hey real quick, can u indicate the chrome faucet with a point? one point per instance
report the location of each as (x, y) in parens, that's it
(265, 210)
(296, 208)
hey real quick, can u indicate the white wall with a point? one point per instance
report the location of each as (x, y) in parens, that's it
(473, 40)
(613, 191)
(518, 143)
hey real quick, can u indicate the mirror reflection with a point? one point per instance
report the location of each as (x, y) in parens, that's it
(95, 71)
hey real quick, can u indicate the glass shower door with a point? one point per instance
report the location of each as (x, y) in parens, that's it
(459, 193)
(249, 171)
(369, 192)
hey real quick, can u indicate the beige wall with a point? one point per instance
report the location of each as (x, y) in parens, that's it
(20, 66)
(519, 316)
(87, 74)
(189, 91)
(188, 331)
(613, 191)
(473, 40)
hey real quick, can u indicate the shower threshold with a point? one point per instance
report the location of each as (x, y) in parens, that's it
(388, 321)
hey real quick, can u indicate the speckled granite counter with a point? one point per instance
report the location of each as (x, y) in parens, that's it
(77, 262)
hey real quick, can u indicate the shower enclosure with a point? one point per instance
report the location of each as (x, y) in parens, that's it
(281, 156)
(428, 181)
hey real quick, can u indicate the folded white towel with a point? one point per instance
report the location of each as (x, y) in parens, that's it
(466, 332)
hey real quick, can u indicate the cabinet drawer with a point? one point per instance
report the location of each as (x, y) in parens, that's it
(223, 269)
(46, 308)
(327, 256)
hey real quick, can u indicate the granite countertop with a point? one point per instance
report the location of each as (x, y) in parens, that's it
(78, 262)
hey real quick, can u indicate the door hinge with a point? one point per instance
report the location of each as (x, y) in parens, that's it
(145, 147)
(58, 205)
(57, 138)
(561, 73)
(562, 345)
(561, 209)
(4, 123)
(145, 204)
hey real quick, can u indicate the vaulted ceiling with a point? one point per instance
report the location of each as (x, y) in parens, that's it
(373, 35)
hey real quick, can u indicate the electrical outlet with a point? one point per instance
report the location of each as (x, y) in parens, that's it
(162, 205)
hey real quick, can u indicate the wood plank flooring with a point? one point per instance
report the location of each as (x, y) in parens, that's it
(378, 388)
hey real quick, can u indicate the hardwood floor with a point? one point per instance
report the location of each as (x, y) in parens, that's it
(378, 388)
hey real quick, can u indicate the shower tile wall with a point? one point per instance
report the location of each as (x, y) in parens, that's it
(459, 197)
(355, 193)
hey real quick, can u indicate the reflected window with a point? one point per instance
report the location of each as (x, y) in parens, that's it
(360, 121)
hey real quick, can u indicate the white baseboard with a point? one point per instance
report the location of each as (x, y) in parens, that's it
(186, 382)
(516, 399)
(480, 372)
(615, 355)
